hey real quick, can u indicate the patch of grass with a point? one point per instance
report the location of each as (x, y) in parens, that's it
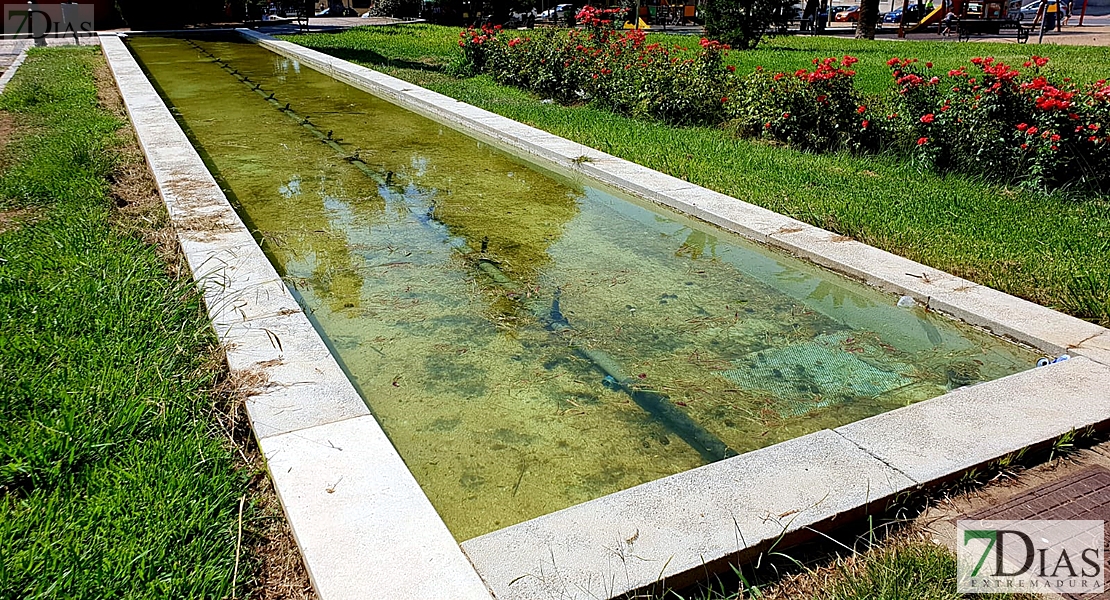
(1051, 249)
(114, 482)
(903, 565)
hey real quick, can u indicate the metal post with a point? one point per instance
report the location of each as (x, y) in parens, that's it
(1040, 15)
(902, 20)
(1083, 13)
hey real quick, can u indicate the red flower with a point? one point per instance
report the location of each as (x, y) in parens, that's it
(892, 62)
(768, 126)
(822, 98)
(865, 123)
(861, 110)
(922, 141)
(1040, 61)
(928, 65)
(786, 115)
(1022, 126)
(777, 76)
(1054, 138)
(1092, 139)
(1025, 146)
(1031, 131)
(732, 68)
(927, 118)
(1093, 127)
(724, 99)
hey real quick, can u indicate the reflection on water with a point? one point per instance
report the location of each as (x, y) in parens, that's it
(529, 342)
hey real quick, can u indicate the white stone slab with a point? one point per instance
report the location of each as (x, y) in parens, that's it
(674, 527)
(1010, 316)
(971, 426)
(1096, 348)
(9, 73)
(865, 263)
(363, 526)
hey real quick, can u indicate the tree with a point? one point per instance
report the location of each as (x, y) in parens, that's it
(868, 19)
(743, 23)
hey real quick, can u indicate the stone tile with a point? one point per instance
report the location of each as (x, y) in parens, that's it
(297, 383)
(1009, 316)
(632, 177)
(1096, 348)
(971, 426)
(363, 525)
(876, 267)
(748, 220)
(673, 527)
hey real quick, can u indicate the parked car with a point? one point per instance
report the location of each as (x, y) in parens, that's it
(851, 15)
(914, 13)
(337, 11)
(1029, 11)
(558, 13)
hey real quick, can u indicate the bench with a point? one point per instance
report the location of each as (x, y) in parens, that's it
(969, 27)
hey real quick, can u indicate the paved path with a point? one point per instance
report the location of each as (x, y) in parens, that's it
(321, 24)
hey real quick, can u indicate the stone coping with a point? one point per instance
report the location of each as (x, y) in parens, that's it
(363, 525)
(676, 529)
(9, 72)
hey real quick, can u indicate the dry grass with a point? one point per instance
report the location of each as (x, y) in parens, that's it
(14, 218)
(269, 550)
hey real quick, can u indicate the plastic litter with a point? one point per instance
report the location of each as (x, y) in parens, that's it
(1048, 360)
(907, 302)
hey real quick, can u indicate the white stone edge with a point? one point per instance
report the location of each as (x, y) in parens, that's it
(1005, 315)
(6, 78)
(361, 521)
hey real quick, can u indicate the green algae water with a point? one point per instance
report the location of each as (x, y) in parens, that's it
(530, 341)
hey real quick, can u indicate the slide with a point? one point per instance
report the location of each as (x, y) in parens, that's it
(931, 18)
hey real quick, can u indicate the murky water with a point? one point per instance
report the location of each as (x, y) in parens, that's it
(528, 341)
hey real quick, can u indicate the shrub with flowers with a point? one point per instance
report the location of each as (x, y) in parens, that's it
(817, 109)
(996, 121)
(614, 69)
(988, 118)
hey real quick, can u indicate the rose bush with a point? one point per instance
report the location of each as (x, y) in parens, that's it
(988, 118)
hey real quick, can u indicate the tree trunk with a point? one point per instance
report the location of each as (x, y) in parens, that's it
(868, 18)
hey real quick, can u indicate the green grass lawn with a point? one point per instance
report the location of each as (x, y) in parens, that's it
(1052, 249)
(114, 481)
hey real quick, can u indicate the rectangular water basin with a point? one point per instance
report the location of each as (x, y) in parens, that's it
(530, 340)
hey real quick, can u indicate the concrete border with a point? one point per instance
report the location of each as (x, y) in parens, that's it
(9, 73)
(363, 525)
(674, 529)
